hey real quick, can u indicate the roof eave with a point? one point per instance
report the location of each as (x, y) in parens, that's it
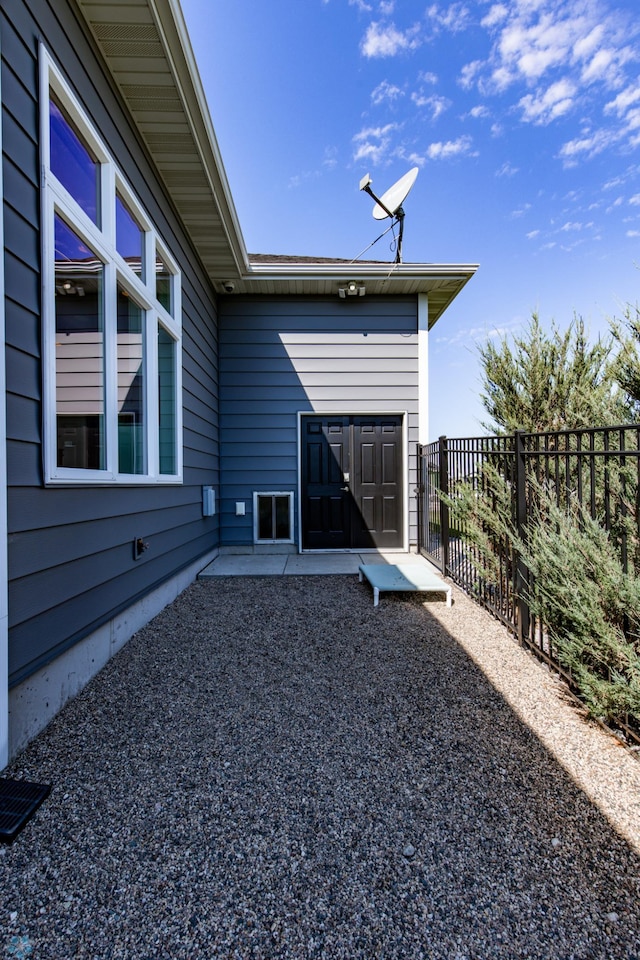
(146, 48)
(440, 282)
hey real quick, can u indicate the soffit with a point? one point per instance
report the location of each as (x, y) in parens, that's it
(146, 48)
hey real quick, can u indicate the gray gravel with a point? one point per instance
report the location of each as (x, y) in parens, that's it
(274, 768)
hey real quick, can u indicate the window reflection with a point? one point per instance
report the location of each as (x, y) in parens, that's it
(130, 352)
(163, 283)
(129, 237)
(167, 402)
(73, 163)
(79, 352)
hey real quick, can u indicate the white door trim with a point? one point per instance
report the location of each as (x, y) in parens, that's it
(405, 470)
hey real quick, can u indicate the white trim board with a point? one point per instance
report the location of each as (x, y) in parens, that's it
(423, 368)
(4, 572)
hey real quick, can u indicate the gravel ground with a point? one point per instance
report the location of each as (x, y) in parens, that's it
(274, 768)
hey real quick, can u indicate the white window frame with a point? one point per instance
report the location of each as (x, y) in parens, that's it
(57, 201)
(256, 528)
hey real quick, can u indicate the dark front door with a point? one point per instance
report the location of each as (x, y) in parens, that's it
(352, 495)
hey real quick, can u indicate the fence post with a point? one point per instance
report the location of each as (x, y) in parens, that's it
(521, 571)
(420, 495)
(443, 458)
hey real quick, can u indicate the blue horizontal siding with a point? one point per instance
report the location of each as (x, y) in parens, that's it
(71, 563)
(279, 358)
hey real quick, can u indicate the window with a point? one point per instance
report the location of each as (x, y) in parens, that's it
(273, 517)
(111, 312)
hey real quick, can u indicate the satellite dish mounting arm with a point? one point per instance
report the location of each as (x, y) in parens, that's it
(365, 184)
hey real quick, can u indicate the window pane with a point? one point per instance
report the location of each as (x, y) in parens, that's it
(73, 163)
(166, 402)
(265, 518)
(129, 237)
(163, 284)
(131, 453)
(282, 518)
(79, 352)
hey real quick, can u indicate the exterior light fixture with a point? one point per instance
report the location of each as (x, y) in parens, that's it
(352, 289)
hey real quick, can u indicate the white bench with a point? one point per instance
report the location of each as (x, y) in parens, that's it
(403, 576)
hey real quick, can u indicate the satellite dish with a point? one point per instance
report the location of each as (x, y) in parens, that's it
(392, 200)
(390, 203)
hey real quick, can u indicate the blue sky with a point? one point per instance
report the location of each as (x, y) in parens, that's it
(523, 118)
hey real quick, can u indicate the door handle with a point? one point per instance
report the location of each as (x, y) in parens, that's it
(344, 488)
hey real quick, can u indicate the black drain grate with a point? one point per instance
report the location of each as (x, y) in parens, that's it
(19, 800)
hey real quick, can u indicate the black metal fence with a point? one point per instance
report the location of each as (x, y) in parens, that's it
(600, 468)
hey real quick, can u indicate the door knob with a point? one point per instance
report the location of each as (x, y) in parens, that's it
(344, 488)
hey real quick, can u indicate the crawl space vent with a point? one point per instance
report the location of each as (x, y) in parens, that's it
(19, 800)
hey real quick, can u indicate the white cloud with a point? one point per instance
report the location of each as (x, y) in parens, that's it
(547, 106)
(566, 56)
(330, 160)
(633, 233)
(588, 145)
(532, 234)
(360, 4)
(635, 200)
(479, 112)
(506, 170)
(373, 143)
(415, 159)
(470, 73)
(497, 14)
(598, 66)
(475, 334)
(386, 92)
(425, 76)
(588, 43)
(436, 105)
(454, 18)
(451, 148)
(627, 98)
(387, 41)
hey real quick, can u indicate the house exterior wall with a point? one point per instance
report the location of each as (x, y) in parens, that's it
(70, 563)
(282, 357)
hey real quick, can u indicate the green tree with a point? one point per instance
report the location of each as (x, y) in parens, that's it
(549, 380)
(627, 362)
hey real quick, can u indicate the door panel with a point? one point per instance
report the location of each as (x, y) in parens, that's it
(352, 493)
(325, 508)
(377, 482)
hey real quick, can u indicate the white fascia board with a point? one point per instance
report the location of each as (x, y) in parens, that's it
(377, 271)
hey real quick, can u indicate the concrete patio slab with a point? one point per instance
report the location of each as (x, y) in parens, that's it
(245, 565)
(322, 563)
(302, 564)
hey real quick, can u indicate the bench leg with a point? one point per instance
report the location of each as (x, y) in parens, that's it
(376, 596)
(449, 597)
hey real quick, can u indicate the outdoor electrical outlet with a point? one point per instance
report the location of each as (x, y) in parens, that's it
(139, 547)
